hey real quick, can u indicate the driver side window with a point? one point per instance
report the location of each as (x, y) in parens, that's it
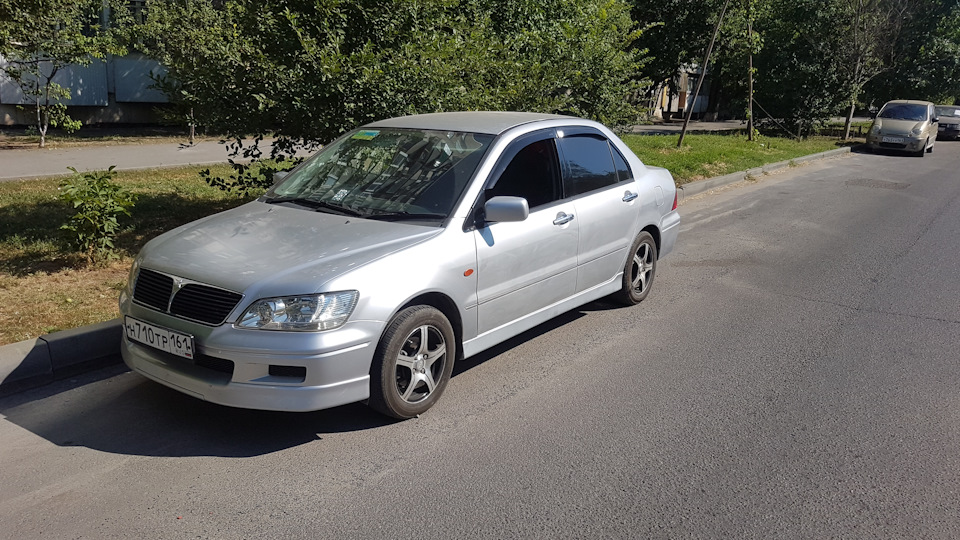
(533, 173)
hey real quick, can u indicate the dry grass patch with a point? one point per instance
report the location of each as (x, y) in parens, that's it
(42, 302)
(45, 285)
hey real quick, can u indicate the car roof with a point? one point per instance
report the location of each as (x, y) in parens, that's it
(490, 122)
(907, 101)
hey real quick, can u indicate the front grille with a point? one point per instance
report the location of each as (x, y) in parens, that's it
(893, 145)
(203, 303)
(193, 301)
(153, 289)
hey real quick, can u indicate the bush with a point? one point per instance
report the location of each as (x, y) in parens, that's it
(98, 202)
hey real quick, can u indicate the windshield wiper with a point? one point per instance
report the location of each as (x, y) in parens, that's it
(319, 205)
(405, 215)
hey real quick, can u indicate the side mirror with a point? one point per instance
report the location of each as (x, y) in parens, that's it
(279, 176)
(935, 119)
(506, 209)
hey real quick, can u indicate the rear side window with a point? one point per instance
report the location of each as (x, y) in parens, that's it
(589, 164)
(623, 171)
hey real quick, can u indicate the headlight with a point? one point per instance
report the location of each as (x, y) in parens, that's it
(134, 268)
(875, 129)
(300, 313)
(916, 131)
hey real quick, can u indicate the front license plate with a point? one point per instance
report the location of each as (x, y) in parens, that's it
(159, 338)
(893, 139)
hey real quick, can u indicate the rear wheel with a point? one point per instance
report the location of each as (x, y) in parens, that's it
(639, 271)
(413, 362)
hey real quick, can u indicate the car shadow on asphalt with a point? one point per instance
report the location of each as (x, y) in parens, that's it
(114, 410)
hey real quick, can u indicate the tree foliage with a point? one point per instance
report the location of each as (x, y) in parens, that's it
(308, 70)
(813, 59)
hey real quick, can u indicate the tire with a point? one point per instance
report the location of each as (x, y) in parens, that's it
(920, 153)
(413, 362)
(639, 270)
(930, 149)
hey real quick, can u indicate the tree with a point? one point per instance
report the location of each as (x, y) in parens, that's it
(872, 30)
(803, 83)
(678, 33)
(305, 71)
(927, 63)
(38, 38)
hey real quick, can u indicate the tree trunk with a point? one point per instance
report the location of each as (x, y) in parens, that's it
(40, 124)
(846, 127)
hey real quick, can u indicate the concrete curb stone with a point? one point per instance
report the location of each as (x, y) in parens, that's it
(701, 186)
(36, 362)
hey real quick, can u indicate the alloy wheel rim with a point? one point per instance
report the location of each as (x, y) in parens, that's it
(420, 363)
(642, 268)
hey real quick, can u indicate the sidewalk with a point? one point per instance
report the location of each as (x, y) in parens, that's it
(37, 162)
(674, 128)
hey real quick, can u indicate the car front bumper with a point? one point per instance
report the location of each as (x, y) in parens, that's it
(948, 131)
(260, 369)
(906, 144)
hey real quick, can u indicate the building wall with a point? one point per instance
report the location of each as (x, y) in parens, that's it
(116, 90)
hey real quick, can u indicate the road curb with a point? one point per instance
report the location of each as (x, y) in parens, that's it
(36, 362)
(700, 186)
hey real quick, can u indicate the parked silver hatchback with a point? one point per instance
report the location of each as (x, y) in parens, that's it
(398, 249)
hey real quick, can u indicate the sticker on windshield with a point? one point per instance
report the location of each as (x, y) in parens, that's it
(366, 135)
(340, 195)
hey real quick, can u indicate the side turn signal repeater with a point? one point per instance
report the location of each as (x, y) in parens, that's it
(468, 272)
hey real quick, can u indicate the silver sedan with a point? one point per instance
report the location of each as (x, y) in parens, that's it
(398, 249)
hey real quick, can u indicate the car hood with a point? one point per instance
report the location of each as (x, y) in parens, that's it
(952, 120)
(892, 126)
(276, 249)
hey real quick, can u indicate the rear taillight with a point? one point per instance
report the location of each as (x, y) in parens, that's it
(675, 194)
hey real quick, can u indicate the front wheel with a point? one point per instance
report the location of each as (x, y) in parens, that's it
(639, 271)
(413, 362)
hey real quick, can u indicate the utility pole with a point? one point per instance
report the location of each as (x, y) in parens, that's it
(703, 73)
(750, 70)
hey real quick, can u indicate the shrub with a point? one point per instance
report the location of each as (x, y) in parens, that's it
(98, 202)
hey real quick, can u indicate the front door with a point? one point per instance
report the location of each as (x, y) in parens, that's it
(528, 265)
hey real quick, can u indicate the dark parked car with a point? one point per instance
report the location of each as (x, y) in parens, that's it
(949, 116)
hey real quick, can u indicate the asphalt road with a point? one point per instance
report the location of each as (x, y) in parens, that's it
(794, 374)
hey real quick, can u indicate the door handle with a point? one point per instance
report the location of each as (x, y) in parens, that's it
(628, 196)
(563, 219)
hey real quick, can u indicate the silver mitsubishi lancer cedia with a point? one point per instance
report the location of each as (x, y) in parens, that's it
(401, 247)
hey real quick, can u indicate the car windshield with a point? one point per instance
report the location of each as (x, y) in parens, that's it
(904, 111)
(948, 111)
(387, 173)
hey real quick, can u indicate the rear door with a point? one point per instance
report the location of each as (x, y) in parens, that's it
(606, 199)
